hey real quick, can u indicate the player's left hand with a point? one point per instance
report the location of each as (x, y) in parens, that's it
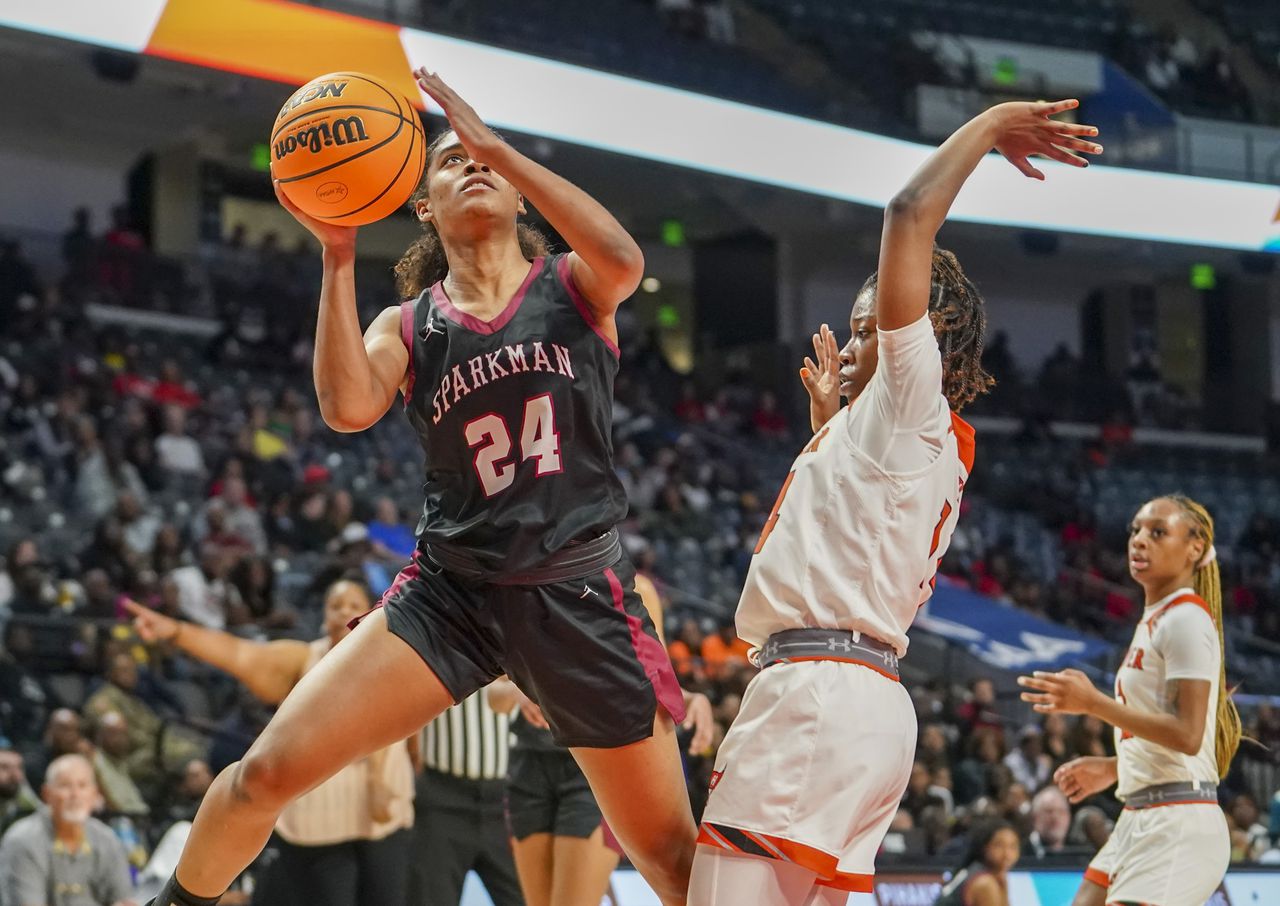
(1065, 692)
(477, 139)
(1025, 128)
(699, 718)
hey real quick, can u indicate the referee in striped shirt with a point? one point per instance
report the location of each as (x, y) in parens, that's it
(460, 822)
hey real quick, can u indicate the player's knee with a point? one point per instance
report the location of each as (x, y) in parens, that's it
(264, 780)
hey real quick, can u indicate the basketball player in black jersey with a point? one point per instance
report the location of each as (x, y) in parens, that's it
(506, 368)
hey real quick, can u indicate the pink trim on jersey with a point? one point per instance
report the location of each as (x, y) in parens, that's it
(565, 273)
(652, 656)
(408, 574)
(474, 324)
(406, 334)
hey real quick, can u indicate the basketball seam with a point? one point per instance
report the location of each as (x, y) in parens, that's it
(396, 113)
(419, 136)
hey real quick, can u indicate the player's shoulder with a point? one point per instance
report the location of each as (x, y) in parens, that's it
(1188, 613)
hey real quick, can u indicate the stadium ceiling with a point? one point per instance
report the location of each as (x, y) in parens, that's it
(291, 43)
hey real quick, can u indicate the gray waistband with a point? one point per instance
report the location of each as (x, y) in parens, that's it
(1171, 793)
(570, 562)
(828, 645)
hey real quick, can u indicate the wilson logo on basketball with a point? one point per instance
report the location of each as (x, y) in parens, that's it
(340, 131)
(312, 92)
(331, 192)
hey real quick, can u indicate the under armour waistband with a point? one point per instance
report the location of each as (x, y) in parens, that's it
(792, 645)
(1172, 794)
(573, 561)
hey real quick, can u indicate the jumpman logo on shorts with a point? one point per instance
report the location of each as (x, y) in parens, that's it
(588, 590)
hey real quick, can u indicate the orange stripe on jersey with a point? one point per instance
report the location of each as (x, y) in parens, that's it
(1143, 808)
(767, 846)
(1188, 598)
(964, 440)
(1101, 878)
(846, 880)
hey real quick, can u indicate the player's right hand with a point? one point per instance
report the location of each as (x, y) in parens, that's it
(821, 378)
(530, 711)
(330, 236)
(150, 625)
(1080, 778)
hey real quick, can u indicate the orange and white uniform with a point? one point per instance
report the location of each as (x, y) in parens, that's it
(814, 766)
(1175, 853)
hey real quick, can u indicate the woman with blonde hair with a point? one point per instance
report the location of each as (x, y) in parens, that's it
(1176, 727)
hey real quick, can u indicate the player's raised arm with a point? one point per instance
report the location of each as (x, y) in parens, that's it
(914, 216)
(356, 375)
(607, 263)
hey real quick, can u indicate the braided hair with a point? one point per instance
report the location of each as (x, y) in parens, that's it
(959, 319)
(425, 263)
(1207, 581)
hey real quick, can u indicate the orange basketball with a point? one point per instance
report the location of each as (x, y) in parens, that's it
(347, 149)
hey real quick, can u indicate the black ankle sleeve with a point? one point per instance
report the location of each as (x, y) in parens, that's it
(173, 894)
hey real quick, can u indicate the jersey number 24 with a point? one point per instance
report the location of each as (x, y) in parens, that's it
(489, 437)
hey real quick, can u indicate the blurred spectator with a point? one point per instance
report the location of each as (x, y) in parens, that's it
(111, 768)
(17, 799)
(104, 472)
(1029, 763)
(768, 421)
(26, 587)
(388, 531)
(1050, 822)
(204, 594)
(724, 653)
(979, 711)
(62, 855)
(78, 248)
(177, 452)
(153, 745)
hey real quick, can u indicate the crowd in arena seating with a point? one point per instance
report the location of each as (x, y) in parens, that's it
(192, 474)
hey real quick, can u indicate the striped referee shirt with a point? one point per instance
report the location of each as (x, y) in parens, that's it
(469, 740)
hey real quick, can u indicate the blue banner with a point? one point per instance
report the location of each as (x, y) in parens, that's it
(1002, 635)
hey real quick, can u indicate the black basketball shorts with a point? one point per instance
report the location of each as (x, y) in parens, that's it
(547, 793)
(584, 649)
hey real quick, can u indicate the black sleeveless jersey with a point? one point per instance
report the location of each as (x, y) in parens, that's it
(515, 418)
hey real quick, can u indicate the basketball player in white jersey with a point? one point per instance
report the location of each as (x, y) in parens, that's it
(1176, 726)
(810, 774)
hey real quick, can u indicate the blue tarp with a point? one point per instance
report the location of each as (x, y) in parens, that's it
(1004, 636)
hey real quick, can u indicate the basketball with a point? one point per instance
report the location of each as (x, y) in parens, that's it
(347, 149)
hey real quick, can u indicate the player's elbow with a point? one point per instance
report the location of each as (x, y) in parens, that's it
(1188, 741)
(343, 420)
(904, 207)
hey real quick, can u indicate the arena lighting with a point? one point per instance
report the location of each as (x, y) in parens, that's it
(291, 43)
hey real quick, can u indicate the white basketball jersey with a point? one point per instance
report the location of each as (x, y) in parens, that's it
(868, 509)
(1176, 639)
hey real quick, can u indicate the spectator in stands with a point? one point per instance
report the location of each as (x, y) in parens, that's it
(1050, 822)
(62, 856)
(28, 588)
(919, 795)
(393, 540)
(153, 746)
(111, 767)
(1030, 765)
(177, 452)
(204, 594)
(724, 654)
(138, 526)
(99, 596)
(104, 472)
(192, 784)
(240, 520)
(978, 711)
(981, 773)
(1089, 736)
(17, 799)
(767, 420)
(984, 880)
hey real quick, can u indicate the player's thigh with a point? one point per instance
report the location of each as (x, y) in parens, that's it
(582, 868)
(723, 878)
(640, 789)
(370, 691)
(534, 866)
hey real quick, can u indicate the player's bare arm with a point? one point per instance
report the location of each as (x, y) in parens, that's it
(913, 217)
(607, 263)
(1180, 727)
